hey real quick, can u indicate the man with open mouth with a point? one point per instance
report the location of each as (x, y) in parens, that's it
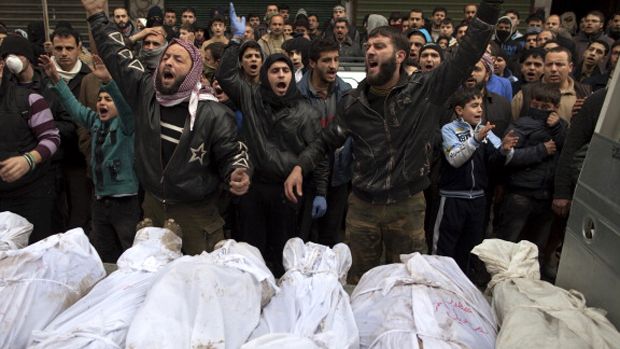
(390, 119)
(278, 124)
(186, 143)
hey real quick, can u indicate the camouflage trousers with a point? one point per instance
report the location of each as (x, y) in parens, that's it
(201, 223)
(373, 230)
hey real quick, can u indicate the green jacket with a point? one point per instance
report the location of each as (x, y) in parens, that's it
(112, 142)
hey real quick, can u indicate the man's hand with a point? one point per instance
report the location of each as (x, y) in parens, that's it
(577, 106)
(239, 181)
(237, 26)
(509, 141)
(292, 186)
(14, 168)
(561, 207)
(550, 147)
(553, 119)
(100, 71)
(146, 32)
(484, 131)
(94, 6)
(45, 62)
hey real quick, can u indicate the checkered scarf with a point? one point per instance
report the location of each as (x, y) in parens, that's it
(190, 89)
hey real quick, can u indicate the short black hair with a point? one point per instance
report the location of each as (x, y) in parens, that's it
(561, 49)
(340, 20)
(216, 49)
(511, 10)
(250, 44)
(447, 21)
(252, 15)
(121, 8)
(601, 42)
(217, 18)
(416, 10)
(283, 7)
(463, 96)
(536, 52)
(318, 46)
(533, 17)
(546, 93)
(189, 27)
(189, 9)
(394, 16)
(440, 9)
(65, 32)
(399, 41)
(598, 14)
(170, 10)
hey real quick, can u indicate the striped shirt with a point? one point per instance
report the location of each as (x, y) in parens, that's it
(41, 122)
(172, 122)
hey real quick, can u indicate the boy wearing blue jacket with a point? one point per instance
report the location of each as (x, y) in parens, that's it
(468, 145)
(116, 208)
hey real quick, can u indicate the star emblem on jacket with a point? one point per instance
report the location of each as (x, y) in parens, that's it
(198, 153)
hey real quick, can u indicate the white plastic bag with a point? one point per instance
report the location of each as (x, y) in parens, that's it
(426, 301)
(14, 231)
(40, 281)
(212, 300)
(534, 313)
(312, 303)
(101, 319)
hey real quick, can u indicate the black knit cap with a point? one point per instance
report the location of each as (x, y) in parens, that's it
(433, 46)
(17, 45)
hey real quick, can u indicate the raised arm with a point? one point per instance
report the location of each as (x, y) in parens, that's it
(120, 61)
(446, 79)
(227, 74)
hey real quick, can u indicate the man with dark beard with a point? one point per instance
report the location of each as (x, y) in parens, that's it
(278, 124)
(389, 117)
(123, 22)
(185, 145)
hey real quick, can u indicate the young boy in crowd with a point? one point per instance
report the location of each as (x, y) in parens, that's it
(526, 212)
(468, 146)
(297, 51)
(116, 208)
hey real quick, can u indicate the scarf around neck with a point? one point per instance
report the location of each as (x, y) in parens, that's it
(68, 75)
(190, 89)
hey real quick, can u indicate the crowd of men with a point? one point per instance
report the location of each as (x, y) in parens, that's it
(240, 127)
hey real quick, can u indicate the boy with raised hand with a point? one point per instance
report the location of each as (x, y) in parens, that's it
(468, 146)
(116, 208)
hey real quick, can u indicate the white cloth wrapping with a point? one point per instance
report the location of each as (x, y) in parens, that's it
(534, 313)
(425, 301)
(312, 303)
(212, 300)
(101, 319)
(14, 231)
(40, 281)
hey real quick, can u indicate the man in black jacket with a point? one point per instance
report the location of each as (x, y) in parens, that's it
(186, 146)
(388, 118)
(278, 124)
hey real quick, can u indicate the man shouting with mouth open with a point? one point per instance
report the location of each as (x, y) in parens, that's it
(391, 117)
(186, 144)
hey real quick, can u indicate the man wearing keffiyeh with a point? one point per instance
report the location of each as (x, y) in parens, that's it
(186, 143)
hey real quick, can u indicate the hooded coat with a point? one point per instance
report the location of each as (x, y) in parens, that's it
(276, 129)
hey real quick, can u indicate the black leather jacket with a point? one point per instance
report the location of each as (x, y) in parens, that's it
(392, 153)
(205, 156)
(274, 141)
